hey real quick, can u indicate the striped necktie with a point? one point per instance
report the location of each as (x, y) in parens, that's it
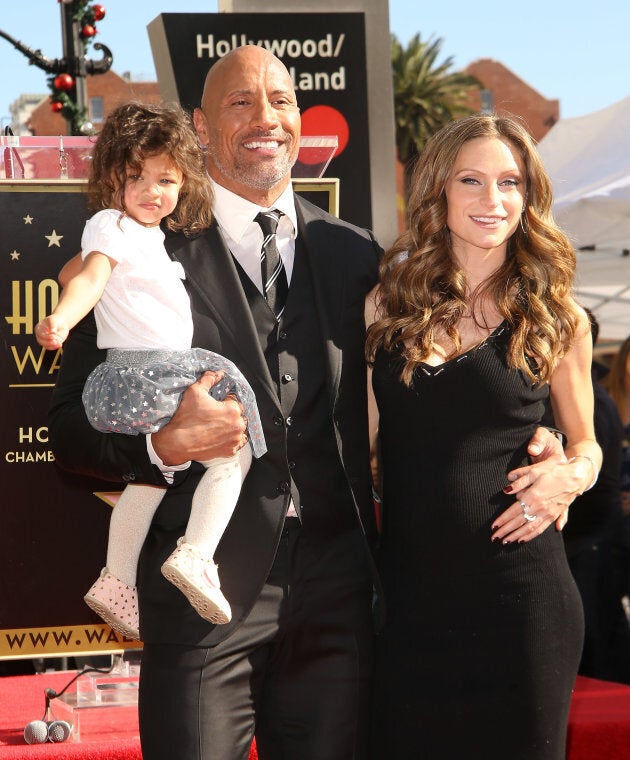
(274, 276)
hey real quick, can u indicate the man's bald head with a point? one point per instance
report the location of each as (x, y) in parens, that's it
(250, 123)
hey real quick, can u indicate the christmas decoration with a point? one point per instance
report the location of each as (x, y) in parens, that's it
(64, 98)
(63, 82)
(67, 75)
(85, 14)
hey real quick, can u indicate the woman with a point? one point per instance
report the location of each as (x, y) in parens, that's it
(472, 327)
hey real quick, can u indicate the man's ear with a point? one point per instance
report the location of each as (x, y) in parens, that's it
(199, 120)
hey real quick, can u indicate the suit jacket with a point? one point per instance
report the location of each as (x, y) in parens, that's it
(344, 266)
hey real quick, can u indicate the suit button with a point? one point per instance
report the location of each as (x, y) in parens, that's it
(128, 477)
(278, 421)
(282, 335)
(289, 421)
(283, 486)
(291, 465)
(286, 378)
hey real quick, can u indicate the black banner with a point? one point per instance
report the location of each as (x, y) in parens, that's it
(54, 526)
(325, 55)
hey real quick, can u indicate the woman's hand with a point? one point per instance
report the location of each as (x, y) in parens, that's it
(542, 491)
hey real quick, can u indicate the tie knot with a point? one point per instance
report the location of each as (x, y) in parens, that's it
(268, 221)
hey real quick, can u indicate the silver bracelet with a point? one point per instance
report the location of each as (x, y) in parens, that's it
(593, 465)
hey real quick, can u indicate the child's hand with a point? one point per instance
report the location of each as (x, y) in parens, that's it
(51, 332)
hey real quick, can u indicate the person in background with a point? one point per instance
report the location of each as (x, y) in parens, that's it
(597, 547)
(473, 326)
(295, 662)
(618, 384)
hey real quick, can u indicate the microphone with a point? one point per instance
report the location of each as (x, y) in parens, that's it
(36, 732)
(42, 731)
(48, 729)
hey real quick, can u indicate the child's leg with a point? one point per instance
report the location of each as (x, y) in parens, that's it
(113, 595)
(128, 527)
(215, 498)
(191, 566)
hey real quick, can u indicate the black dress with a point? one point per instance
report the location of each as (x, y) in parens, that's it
(483, 640)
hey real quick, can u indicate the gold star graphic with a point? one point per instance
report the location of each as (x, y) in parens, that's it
(14, 255)
(28, 219)
(53, 239)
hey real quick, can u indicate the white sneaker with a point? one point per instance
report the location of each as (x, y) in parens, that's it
(197, 578)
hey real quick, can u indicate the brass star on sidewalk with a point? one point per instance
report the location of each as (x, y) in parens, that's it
(53, 239)
(14, 255)
(28, 219)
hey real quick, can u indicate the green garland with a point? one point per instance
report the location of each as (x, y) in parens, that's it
(69, 109)
(82, 13)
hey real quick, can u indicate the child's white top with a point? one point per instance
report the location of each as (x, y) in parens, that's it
(144, 304)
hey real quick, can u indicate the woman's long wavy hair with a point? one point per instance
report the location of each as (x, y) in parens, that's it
(423, 289)
(134, 132)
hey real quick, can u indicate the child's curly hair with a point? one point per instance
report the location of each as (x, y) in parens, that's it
(132, 133)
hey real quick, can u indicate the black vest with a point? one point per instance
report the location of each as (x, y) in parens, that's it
(295, 356)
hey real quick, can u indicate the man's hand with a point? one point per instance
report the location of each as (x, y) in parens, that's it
(201, 428)
(544, 489)
(545, 445)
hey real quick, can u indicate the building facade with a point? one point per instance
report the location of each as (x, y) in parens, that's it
(104, 93)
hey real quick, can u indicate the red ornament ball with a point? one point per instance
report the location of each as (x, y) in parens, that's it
(98, 11)
(88, 31)
(56, 106)
(64, 82)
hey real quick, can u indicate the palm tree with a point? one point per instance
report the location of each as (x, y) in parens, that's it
(427, 95)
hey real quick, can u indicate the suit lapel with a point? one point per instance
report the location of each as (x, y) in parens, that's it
(329, 283)
(211, 273)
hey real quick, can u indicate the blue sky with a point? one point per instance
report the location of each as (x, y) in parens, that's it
(571, 50)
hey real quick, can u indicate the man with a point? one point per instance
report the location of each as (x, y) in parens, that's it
(295, 660)
(295, 561)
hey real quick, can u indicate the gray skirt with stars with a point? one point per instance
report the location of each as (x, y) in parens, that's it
(137, 392)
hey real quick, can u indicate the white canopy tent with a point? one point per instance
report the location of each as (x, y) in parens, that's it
(588, 160)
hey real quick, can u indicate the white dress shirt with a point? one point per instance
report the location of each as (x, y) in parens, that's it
(243, 236)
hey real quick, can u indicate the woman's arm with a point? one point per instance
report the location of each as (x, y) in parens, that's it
(548, 488)
(572, 401)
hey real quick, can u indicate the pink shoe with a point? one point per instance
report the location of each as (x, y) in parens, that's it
(197, 578)
(116, 603)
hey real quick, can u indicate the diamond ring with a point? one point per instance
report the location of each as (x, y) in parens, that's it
(526, 515)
